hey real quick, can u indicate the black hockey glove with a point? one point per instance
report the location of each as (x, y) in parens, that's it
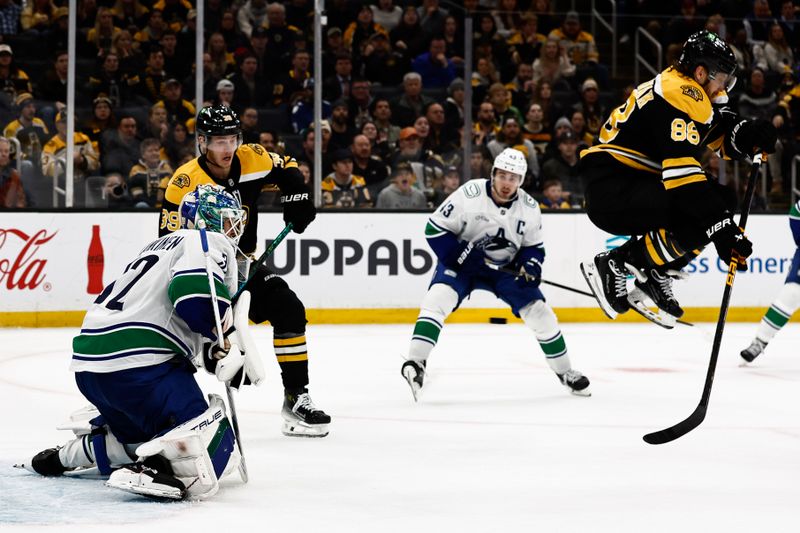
(751, 136)
(298, 207)
(466, 258)
(730, 241)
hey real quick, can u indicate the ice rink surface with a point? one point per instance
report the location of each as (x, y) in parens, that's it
(495, 444)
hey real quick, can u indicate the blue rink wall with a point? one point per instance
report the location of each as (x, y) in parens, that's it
(354, 267)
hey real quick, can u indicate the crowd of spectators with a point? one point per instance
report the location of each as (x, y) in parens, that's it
(393, 88)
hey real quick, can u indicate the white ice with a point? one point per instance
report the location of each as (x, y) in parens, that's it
(495, 444)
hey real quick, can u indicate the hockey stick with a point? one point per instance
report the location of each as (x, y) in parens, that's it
(696, 418)
(268, 252)
(218, 324)
(509, 270)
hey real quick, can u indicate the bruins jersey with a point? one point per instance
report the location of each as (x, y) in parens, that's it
(663, 128)
(253, 170)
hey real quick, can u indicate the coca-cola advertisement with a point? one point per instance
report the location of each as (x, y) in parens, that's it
(23, 270)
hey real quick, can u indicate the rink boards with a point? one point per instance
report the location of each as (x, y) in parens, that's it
(352, 267)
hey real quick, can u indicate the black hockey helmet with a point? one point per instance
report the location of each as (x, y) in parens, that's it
(705, 48)
(217, 120)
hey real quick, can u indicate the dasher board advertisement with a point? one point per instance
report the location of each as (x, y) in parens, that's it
(58, 262)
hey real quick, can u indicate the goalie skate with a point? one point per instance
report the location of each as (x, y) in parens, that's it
(145, 481)
(301, 418)
(414, 372)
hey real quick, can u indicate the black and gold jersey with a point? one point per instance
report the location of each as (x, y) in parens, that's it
(253, 170)
(663, 128)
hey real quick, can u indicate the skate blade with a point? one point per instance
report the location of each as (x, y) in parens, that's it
(86, 472)
(590, 275)
(171, 494)
(416, 390)
(637, 301)
(585, 393)
(295, 428)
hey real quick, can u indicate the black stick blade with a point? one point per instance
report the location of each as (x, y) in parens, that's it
(678, 430)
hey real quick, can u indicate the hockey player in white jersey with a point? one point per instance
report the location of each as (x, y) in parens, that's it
(149, 425)
(489, 223)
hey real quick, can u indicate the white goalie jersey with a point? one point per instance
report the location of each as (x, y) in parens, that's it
(472, 215)
(159, 307)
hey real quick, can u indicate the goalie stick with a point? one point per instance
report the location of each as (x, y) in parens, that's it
(218, 324)
(699, 414)
(271, 248)
(509, 270)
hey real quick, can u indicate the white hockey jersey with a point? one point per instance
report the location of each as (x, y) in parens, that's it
(471, 215)
(152, 312)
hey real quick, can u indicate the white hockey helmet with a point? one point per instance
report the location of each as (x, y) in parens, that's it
(511, 160)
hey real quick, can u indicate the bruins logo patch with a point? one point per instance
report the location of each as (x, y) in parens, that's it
(692, 92)
(257, 148)
(181, 181)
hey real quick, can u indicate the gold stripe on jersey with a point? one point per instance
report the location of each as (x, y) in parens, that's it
(685, 94)
(678, 182)
(681, 171)
(655, 258)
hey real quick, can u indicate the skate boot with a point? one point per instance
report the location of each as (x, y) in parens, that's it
(146, 481)
(577, 383)
(607, 277)
(45, 463)
(657, 286)
(414, 372)
(301, 417)
(755, 349)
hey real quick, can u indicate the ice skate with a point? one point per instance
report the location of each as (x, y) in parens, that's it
(145, 481)
(577, 383)
(606, 276)
(301, 418)
(414, 372)
(45, 463)
(755, 349)
(657, 287)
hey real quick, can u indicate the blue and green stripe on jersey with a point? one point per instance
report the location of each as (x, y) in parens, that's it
(126, 339)
(194, 284)
(432, 230)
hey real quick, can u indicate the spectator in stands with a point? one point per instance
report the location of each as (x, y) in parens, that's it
(510, 136)
(778, 52)
(175, 65)
(153, 81)
(131, 61)
(454, 40)
(28, 129)
(427, 166)
(148, 178)
(234, 39)
(281, 35)
(758, 101)
(251, 15)
(152, 32)
(561, 126)
(116, 192)
(489, 44)
(525, 45)
(157, 123)
(102, 119)
(564, 168)
(342, 188)
(553, 195)
(553, 65)
(225, 92)
(685, 24)
(366, 165)
(581, 49)
(294, 80)
(535, 131)
(409, 37)
(222, 62)
(36, 17)
(379, 147)
(757, 23)
(342, 132)
(747, 55)
(543, 95)
(308, 147)
(338, 85)
(507, 19)
(431, 17)
(479, 163)
(251, 89)
(120, 147)
(451, 180)
(270, 141)
(102, 34)
(386, 14)
(357, 33)
(382, 64)
(382, 114)
(12, 192)
(500, 98)
(454, 105)
(790, 23)
(521, 86)
(400, 193)
(594, 112)
(423, 128)
(53, 85)
(54, 154)
(209, 80)
(187, 36)
(13, 80)
(302, 114)
(411, 104)
(178, 144)
(578, 121)
(10, 13)
(129, 13)
(485, 127)
(174, 12)
(436, 69)
(259, 45)
(250, 129)
(360, 102)
(483, 77)
(441, 139)
(58, 36)
(178, 108)
(334, 47)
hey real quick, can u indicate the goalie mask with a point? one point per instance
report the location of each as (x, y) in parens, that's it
(220, 210)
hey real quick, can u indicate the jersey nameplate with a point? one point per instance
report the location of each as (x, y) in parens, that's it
(472, 190)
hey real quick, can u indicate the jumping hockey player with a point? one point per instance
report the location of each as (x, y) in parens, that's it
(484, 226)
(644, 179)
(787, 302)
(247, 170)
(149, 425)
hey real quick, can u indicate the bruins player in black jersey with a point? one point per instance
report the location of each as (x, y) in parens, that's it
(249, 169)
(644, 179)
